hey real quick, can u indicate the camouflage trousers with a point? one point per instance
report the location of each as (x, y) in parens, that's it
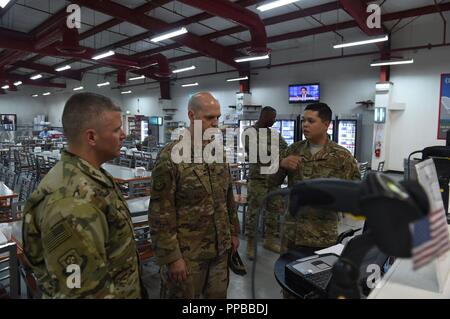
(208, 279)
(256, 191)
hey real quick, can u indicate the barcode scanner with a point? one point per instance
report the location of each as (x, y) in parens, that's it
(389, 206)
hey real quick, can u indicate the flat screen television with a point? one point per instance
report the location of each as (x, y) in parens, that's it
(304, 93)
(8, 122)
(155, 120)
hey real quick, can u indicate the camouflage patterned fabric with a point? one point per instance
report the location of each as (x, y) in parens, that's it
(255, 168)
(77, 215)
(315, 227)
(192, 215)
(258, 188)
(206, 279)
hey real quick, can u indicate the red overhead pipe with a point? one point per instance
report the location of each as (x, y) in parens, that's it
(163, 70)
(357, 10)
(244, 86)
(142, 20)
(164, 87)
(14, 40)
(47, 39)
(240, 15)
(122, 77)
(22, 42)
(145, 8)
(8, 57)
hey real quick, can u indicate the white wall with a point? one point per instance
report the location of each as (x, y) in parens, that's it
(23, 105)
(418, 87)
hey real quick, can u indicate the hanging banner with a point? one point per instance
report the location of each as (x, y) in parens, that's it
(444, 109)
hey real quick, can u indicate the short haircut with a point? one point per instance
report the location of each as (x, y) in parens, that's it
(323, 109)
(267, 109)
(84, 110)
(304, 88)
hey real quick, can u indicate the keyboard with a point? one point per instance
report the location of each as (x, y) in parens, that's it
(320, 279)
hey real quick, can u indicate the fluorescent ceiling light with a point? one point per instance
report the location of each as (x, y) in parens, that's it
(189, 84)
(137, 78)
(392, 62)
(103, 55)
(169, 35)
(35, 95)
(35, 77)
(126, 92)
(5, 87)
(18, 83)
(46, 93)
(238, 79)
(63, 68)
(251, 58)
(103, 84)
(352, 44)
(184, 69)
(274, 4)
(3, 3)
(78, 88)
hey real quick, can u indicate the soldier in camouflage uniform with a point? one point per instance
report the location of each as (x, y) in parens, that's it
(258, 186)
(316, 157)
(193, 218)
(78, 217)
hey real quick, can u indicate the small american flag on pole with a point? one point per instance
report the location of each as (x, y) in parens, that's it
(430, 238)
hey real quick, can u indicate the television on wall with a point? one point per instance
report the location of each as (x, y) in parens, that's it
(304, 93)
(8, 122)
(155, 120)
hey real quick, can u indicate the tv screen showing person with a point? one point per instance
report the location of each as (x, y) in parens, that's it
(301, 93)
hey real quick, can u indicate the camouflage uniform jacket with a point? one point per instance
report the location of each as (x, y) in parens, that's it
(255, 168)
(316, 227)
(192, 213)
(78, 216)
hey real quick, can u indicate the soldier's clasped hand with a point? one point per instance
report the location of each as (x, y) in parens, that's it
(291, 163)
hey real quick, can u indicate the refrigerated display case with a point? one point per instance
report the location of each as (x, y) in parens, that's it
(349, 133)
(287, 130)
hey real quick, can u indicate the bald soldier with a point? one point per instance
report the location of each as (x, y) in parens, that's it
(77, 232)
(315, 157)
(192, 215)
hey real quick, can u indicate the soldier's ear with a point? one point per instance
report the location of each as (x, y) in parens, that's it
(191, 115)
(90, 137)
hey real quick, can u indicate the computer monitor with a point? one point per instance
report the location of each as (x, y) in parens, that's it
(304, 93)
